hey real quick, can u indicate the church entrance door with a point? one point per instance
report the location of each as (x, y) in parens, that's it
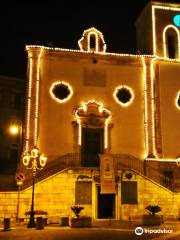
(92, 145)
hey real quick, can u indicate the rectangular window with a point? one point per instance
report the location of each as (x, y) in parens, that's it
(83, 192)
(129, 192)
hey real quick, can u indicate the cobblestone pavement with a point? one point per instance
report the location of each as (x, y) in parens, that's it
(55, 232)
(66, 233)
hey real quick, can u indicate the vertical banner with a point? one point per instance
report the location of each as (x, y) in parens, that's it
(107, 174)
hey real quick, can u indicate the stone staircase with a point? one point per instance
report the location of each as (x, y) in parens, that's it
(72, 160)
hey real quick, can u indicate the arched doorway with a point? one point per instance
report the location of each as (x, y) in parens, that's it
(93, 131)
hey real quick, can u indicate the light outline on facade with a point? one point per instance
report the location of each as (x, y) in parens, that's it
(165, 40)
(142, 57)
(176, 100)
(89, 52)
(101, 108)
(36, 116)
(123, 87)
(154, 26)
(87, 33)
(96, 41)
(59, 83)
(153, 108)
(162, 159)
(145, 108)
(27, 135)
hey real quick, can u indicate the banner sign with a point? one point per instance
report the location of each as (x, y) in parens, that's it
(107, 174)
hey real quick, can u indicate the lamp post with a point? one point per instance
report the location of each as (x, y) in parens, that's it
(35, 161)
(19, 183)
(178, 161)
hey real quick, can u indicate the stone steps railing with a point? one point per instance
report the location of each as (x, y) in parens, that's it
(145, 168)
(71, 160)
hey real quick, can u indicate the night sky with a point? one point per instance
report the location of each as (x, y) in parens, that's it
(23, 24)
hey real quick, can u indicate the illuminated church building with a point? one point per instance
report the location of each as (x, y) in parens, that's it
(107, 122)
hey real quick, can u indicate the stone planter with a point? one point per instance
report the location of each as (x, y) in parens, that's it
(151, 220)
(81, 222)
(6, 224)
(39, 223)
(64, 221)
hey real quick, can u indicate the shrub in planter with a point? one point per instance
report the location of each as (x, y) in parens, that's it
(81, 222)
(78, 221)
(77, 209)
(153, 209)
(152, 219)
(39, 213)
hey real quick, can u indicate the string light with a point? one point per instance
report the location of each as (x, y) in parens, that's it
(154, 30)
(145, 108)
(98, 37)
(79, 131)
(118, 101)
(154, 7)
(89, 41)
(153, 108)
(90, 52)
(84, 109)
(164, 39)
(60, 83)
(106, 132)
(162, 160)
(36, 116)
(177, 99)
(27, 135)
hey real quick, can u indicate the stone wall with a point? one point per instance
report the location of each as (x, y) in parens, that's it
(56, 195)
(151, 193)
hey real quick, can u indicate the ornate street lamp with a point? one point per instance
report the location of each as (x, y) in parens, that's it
(34, 161)
(178, 161)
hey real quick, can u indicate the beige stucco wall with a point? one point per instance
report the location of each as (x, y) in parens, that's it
(170, 114)
(56, 131)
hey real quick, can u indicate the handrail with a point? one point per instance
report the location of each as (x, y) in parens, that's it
(55, 166)
(144, 168)
(70, 160)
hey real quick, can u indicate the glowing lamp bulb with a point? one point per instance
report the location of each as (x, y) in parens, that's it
(13, 130)
(178, 162)
(26, 159)
(35, 152)
(43, 160)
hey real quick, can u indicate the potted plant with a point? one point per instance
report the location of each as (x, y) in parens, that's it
(39, 213)
(152, 219)
(79, 221)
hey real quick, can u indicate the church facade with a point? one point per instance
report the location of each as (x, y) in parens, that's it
(88, 104)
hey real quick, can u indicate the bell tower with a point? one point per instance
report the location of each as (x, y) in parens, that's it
(158, 30)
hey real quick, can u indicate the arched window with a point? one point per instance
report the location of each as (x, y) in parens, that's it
(92, 41)
(171, 39)
(172, 44)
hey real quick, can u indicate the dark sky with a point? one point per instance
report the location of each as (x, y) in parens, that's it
(23, 24)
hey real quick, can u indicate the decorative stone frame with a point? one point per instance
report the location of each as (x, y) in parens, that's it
(55, 84)
(92, 115)
(118, 88)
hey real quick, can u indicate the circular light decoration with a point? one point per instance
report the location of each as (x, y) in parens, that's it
(61, 91)
(177, 100)
(123, 95)
(176, 20)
